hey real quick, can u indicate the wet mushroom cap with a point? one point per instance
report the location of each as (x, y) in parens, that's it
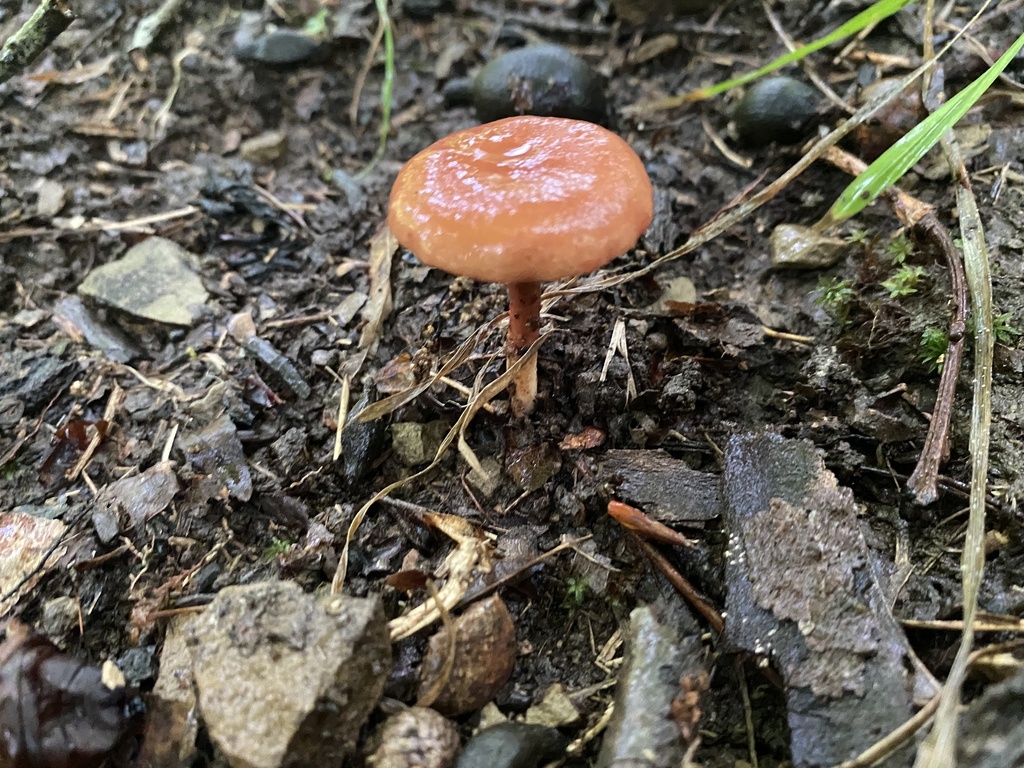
(522, 199)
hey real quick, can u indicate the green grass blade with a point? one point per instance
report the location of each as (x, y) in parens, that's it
(875, 13)
(902, 155)
(387, 87)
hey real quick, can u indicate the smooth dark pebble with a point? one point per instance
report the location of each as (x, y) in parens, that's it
(775, 109)
(512, 745)
(282, 47)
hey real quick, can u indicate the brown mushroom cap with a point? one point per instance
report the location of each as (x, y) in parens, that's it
(522, 199)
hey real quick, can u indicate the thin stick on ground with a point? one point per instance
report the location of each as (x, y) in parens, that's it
(921, 217)
(50, 19)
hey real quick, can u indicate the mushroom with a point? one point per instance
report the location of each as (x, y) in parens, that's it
(520, 201)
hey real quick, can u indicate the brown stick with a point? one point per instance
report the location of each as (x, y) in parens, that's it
(923, 483)
(523, 330)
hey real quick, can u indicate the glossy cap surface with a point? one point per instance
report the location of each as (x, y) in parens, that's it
(522, 199)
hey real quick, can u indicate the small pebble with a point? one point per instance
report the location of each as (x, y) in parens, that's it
(775, 109)
(281, 48)
(543, 80)
(512, 745)
(266, 148)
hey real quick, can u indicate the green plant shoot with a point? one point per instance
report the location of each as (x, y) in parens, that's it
(899, 158)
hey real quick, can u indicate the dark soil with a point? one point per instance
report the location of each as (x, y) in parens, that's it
(130, 138)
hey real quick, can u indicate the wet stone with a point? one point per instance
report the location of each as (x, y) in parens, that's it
(361, 445)
(151, 281)
(26, 542)
(512, 745)
(545, 80)
(796, 247)
(139, 497)
(216, 455)
(285, 678)
(486, 483)
(173, 718)
(71, 312)
(555, 709)
(662, 643)
(267, 148)
(531, 467)
(417, 443)
(60, 619)
(281, 48)
(51, 197)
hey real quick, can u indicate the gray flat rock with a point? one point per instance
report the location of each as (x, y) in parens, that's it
(151, 281)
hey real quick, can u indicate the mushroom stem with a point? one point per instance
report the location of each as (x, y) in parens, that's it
(523, 330)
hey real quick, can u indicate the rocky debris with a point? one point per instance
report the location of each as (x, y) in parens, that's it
(173, 721)
(415, 443)
(416, 738)
(555, 709)
(51, 197)
(283, 48)
(797, 247)
(282, 371)
(27, 544)
(59, 620)
(216, 456)
(138, 497)
(665, 488)
(460, 678)
(284, 678)
(362, 442)
(663, 647)
(991, 732)
(151, 281)
(76, 319)
(266, 148)
(488, 481)
(512, 745)
(531, 467)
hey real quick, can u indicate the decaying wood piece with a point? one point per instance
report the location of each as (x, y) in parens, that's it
(663, 487)
(658, 696)
(807, 592)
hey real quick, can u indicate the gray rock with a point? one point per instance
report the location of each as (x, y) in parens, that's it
(285, 678)
(282, 48)
(59, 620)
(662, 657)
(217, 457)
(991, 731)
(512, 745)
(151, 281)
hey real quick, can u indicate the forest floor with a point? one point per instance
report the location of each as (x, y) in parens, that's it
(225, 425)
